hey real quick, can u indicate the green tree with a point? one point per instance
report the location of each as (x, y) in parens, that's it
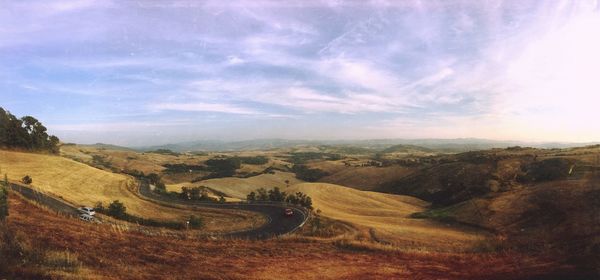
(251, 196)
(276, 195)
(117, 209)
(262, 195)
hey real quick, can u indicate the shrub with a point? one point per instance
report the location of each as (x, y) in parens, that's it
(276, 195)
(224, 167)
(27, 180)
(99, 207)
(258, 160)
(195, 193)
(195, 222)
(117, 209)
(308, 174)
(251, 196)
(546, 170)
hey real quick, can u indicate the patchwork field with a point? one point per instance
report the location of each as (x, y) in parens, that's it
(81, 184)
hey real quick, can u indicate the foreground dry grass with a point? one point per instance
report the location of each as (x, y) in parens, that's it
(81, 184)
(103, 253)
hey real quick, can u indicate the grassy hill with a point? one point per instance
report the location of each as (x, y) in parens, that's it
(367, 178)
(240, 187)
(386, 217)
(81, 184)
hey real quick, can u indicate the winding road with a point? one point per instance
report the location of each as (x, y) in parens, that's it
(277, 222)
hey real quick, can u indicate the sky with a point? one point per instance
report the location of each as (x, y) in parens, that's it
(153, 72)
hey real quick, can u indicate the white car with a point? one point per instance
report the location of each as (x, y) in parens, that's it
(86, 210)
(86, 217)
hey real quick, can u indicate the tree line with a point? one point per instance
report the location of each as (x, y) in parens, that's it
(277, 195)
(25, 133)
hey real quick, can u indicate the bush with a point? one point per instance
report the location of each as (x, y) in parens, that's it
(546, 170)
(27, 180)
(310, 175)
(258, 160)
(251, 196)
(276, 195)
(182, 168)
(195, 222)
(195, 193)
(223, 167)
(117, 209)
(299, 198)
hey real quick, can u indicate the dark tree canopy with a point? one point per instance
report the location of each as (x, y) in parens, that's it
(25, 133)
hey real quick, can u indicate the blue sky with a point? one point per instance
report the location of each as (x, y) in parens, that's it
(152, 72)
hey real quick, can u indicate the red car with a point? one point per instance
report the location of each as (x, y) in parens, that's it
(289, 212)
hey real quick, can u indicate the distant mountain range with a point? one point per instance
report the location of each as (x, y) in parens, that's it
(445, 145)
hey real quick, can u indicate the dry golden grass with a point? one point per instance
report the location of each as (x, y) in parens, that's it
(386, 216)
(103, 253)
(81, 184)
(366, 178)
(240, 187)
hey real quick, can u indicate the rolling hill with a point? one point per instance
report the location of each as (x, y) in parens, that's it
(81, 184)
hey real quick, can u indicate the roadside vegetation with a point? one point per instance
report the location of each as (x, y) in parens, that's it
(118, 210)
(276, 195)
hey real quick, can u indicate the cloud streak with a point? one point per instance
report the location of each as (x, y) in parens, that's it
(390, 69)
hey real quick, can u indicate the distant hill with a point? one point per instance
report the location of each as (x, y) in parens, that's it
(403, 148)
(107, 147)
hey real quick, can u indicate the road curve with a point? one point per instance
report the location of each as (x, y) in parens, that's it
(277, 222)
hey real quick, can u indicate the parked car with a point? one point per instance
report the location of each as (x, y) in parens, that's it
(289, 212)
(86, 210)
(86, 217)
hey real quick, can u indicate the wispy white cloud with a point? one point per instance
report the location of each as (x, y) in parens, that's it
(204, 107)
(480, 69)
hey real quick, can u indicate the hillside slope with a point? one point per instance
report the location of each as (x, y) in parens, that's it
(240, 187)
(81, 184)
(386, 217)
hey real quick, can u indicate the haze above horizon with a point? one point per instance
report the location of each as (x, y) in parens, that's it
(139, 73)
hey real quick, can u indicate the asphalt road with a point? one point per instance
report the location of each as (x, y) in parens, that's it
(46, 200)
(277, 222)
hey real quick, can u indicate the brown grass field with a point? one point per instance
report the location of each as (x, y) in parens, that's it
(240, 187)
(77, 250)
(385, 216)
(81, 184)
(366, 178)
